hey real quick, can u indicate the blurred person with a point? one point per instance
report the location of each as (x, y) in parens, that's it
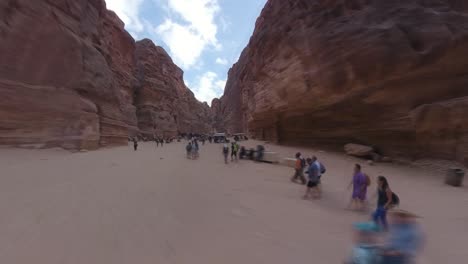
(188, 148)
(195, 149)
(242, 153)
(359, 183)
(135, 144)
(225, 153)
(321, 170)
(234, 150)
(312, 184)
(365, 249)
(299, 167)
(384, 202)
(405, 239)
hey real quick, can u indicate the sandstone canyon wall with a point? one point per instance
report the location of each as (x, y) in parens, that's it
(393, 74)
(165, 105)
(69, 77)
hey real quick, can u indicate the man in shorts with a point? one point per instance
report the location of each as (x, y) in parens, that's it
(312, 185)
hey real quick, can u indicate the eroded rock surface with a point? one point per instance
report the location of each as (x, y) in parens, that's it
(165, 105)
(391, 74)
(68, 78)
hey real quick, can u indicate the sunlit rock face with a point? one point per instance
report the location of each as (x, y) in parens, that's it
(392, 74)
(166, 107)
(69, 78)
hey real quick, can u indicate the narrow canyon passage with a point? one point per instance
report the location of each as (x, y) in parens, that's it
(154, 206)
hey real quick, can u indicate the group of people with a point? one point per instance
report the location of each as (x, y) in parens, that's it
(234, 152)
(314, 171)
(158, 141)
(404, 238)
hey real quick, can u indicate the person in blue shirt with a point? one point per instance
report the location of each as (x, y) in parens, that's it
(405, 239)
(314, 179)
(365, 249)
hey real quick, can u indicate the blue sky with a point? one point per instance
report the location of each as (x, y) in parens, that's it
(203, 37)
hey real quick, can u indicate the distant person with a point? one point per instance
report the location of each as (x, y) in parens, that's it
(234, 150)
(135, 144)
(157, 142)
(359, 183)
(405, 239)
(313, 181)
(162, 142)
(188, 148)
(195, 149)
(225, 153)
(260, 152)
(384, 202)
(242, 153)
(299, 167)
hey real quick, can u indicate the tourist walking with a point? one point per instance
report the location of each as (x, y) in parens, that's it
(135, 144)
(299, 169)
(405, 239)
(157, 142)
(195, 149)
(313, 172)
(359, 183)
(384, 202)
(188, 148)
(234, 150)
(225, 153)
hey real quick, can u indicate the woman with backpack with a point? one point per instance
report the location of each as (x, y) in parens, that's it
(385, 201)
(359, 183)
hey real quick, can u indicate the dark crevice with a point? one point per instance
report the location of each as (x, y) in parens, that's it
(415, 43)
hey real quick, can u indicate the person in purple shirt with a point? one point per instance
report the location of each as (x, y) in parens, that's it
(359, 184)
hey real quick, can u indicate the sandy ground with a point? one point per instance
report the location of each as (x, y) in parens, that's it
(154, 206)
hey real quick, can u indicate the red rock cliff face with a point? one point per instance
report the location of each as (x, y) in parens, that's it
(65, 74)
(165, 105)
(68, 77)
(388, 73)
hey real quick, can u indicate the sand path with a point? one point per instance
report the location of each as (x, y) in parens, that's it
(154, 206)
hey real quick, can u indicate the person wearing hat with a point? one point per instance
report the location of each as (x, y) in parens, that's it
(405, 238)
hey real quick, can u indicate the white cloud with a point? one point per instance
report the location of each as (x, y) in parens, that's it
(128, 11)
(188, 40)
(208, 87)
(221, 61)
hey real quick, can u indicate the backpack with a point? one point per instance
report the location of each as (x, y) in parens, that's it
(395, 199)
(322, 169)
(368, 180)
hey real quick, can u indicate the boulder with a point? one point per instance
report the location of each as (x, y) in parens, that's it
(358, 150)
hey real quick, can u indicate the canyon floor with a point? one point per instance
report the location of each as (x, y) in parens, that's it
(154, 206)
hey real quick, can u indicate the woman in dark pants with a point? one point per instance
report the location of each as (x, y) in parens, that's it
(384, 202)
